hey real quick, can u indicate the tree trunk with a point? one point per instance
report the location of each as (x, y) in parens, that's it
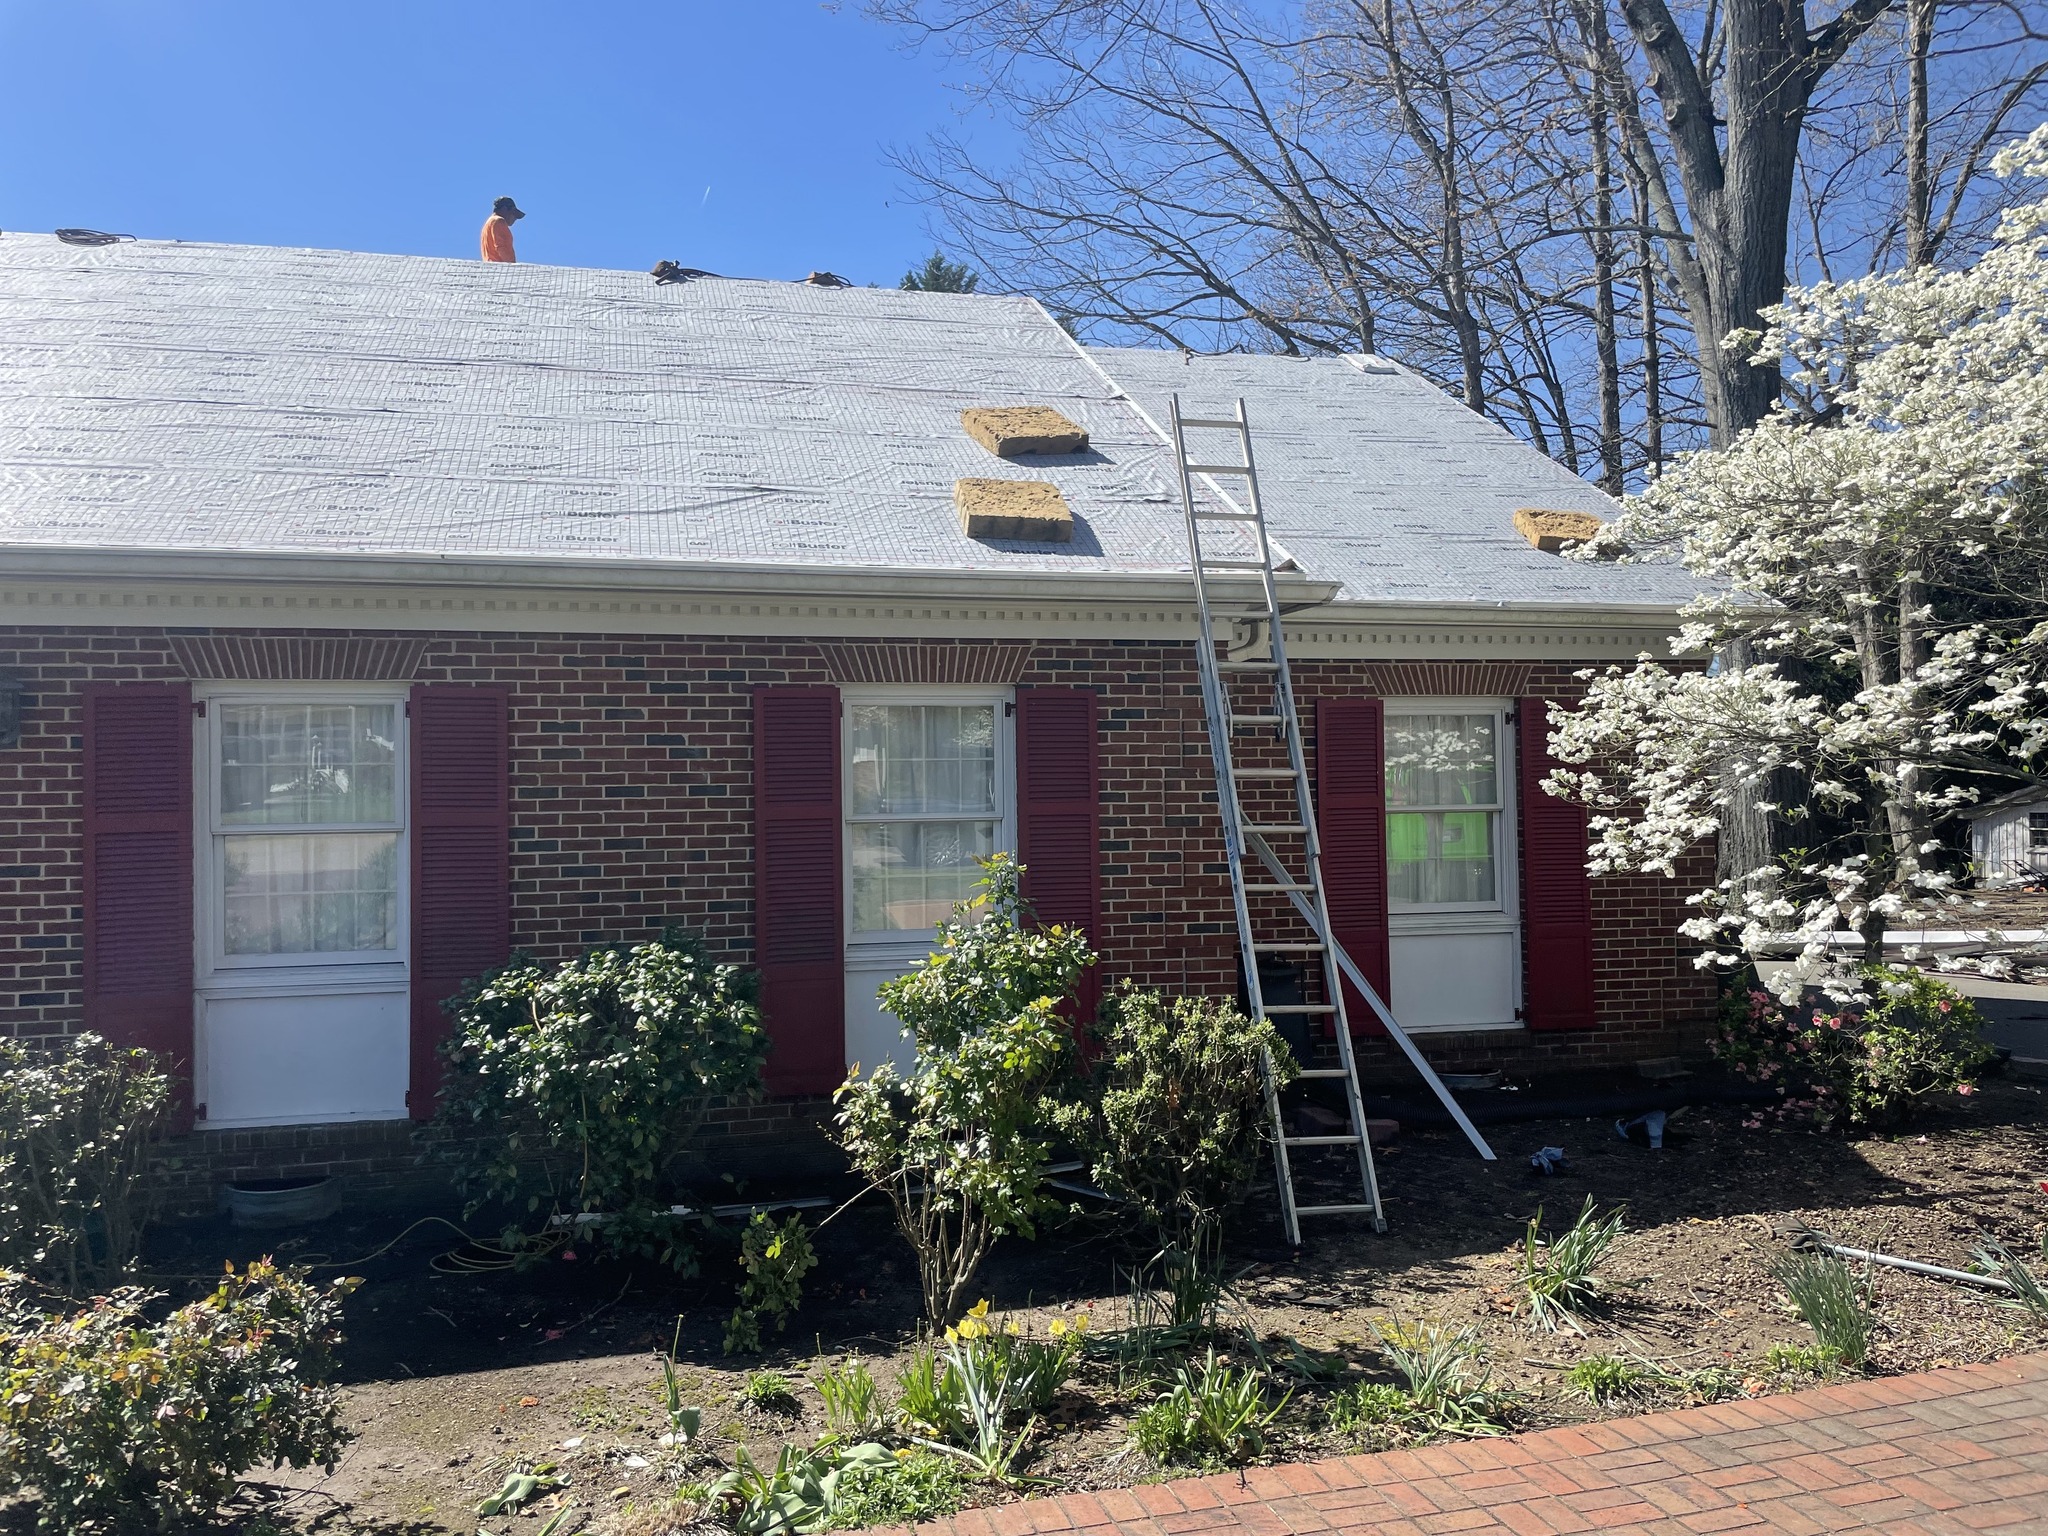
(1606, 354)
(1739, 196)
(1919, 176)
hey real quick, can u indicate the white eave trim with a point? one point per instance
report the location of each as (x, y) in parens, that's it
(233, 590)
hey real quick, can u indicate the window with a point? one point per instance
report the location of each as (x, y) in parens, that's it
(925, 800)
(2037, 830)
(306, 825)
(1443, 811)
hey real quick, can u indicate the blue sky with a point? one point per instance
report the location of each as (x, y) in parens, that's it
(746, 137)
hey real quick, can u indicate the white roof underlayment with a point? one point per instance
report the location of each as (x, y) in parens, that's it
(1373, 477)
(158, 396)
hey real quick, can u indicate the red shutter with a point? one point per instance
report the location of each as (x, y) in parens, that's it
(1351, 825)
(1557, 893)
(138, 870)
(1059, 817)
(461, 834)
(799, 937)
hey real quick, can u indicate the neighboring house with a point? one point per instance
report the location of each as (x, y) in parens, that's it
(378, 615)
(2009, 838)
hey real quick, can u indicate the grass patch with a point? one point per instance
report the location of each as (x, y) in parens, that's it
(918, 1487)
(770, 1392)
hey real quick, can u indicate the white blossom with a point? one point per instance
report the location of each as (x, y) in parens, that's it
(1877, 556)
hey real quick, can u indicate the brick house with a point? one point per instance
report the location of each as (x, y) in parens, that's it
(374, 616)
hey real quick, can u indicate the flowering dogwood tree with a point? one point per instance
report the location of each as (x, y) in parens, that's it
(1880, 547)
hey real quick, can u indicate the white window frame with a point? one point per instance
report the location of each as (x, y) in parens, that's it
(320, 970)
(2036, 828)
(920, 940)
(1467, 917)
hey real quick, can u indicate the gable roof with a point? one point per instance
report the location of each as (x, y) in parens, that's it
(1376, 479)
(193, 397)
(171, 400)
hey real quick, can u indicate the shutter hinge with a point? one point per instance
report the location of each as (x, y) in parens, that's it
(199, 708)
(1009, 708)
(199, 1111)
(408, 709)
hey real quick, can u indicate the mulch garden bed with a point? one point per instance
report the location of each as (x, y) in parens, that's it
(454, 1379)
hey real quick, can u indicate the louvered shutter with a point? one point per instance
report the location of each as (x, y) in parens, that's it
(1557, 893)
(1059, 817)
(461, 834)
(138, 871)
(799, 936)
(1351, 825)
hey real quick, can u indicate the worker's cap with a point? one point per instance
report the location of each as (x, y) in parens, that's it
(506, 206)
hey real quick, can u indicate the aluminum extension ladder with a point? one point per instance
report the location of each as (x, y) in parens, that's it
(1297, 872)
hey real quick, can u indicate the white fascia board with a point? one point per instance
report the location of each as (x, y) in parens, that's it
(42, 586)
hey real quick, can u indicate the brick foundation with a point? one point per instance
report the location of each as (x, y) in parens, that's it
(632, 780)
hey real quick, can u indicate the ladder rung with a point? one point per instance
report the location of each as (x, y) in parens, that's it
(1322, 1141)
(1261, 773)
(1247, 666)
(1212, 564)
(1221, 423)
(1272, 887)
(1226, 517)
(1333, 1210)
(1219, 469)
(1258, 719)
(1277, 826)
(1287, 949)
(1322, 1072)
(1301, 1008)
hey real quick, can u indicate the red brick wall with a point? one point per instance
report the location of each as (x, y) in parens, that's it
(631, 784)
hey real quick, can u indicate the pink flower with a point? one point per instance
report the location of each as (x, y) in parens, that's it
(1942, 1006)
(1967, 1088)
(1834, 1023)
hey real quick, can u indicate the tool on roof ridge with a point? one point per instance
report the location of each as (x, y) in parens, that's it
(669, 272)
(828, 280)
(90, 237)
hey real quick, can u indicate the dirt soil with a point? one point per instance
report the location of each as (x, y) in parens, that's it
(452, 1380)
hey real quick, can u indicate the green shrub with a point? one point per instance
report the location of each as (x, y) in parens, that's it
(118, 1422)
(770, 1391)
(1560, 1279)
(1830, 1300)
(1603, 1378)
(1366, 1406)
(911, 1489)
(75, 1130)
(1803, 1359)
(1860, 1066)
(592, 1074)
(1218, 1412)
(776, 1259)
(961, 1143)
(801, 1493)
(1180, 1125)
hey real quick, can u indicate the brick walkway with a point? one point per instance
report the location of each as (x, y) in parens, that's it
(1949, 1451)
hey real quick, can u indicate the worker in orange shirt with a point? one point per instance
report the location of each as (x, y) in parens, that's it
(498, 230)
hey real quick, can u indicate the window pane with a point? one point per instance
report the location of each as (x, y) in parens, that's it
(303, 764)
(1442, 760)
(302, 895)
(924, 759)
(1436, 858)
(908, 874)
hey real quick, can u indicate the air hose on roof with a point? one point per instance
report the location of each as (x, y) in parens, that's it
(90, 237)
